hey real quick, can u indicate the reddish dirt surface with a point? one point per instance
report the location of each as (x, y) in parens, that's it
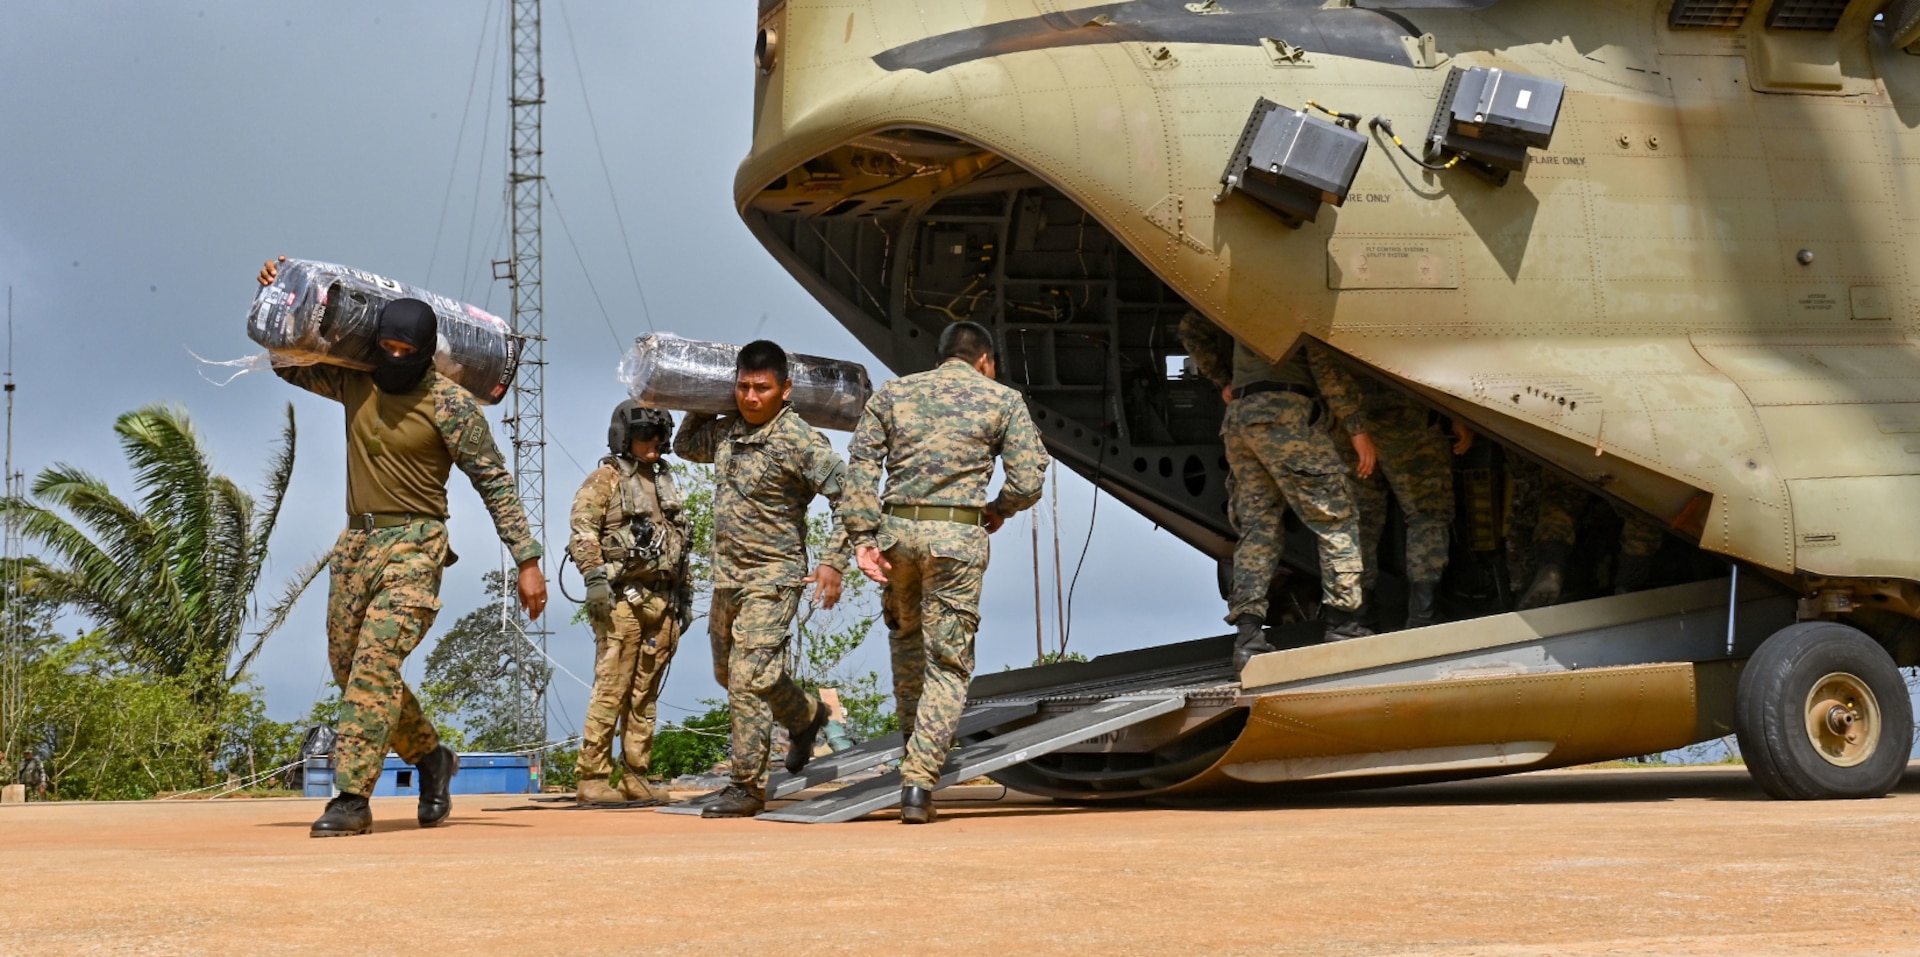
(1670, 861)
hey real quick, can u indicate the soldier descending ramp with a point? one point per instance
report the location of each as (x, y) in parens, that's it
(1608, 678)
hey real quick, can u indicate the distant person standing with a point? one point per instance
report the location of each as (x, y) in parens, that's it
(769, 464)
(936, 434)
(407, 427)
(33, 775)
(630, 540)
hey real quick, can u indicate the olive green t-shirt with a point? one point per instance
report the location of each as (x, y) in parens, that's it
(396, 460)
(401, 448)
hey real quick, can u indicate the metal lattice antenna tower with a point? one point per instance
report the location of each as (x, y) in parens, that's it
(13, 655)
(527, 417)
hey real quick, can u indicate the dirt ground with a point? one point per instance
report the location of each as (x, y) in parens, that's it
(1667, 861)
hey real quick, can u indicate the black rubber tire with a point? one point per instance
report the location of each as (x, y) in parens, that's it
(1770, 713)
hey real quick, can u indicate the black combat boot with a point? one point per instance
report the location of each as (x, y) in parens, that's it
(1368, 614)
(1251, 640)
(1420, 604)
(1549, 575)
(735, 801)
(346, 816)
(1343, 624)
(800, 744)
(436, 784)
(916, 805)
(1630, 573)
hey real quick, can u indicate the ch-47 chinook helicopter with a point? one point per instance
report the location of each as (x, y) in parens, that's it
(1665, 248)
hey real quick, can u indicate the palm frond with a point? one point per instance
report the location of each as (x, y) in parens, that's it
(279, 477)
(277, 615)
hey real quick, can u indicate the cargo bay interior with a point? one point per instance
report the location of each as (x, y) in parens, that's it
(902, 233)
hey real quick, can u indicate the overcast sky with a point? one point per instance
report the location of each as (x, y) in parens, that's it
(152, 155)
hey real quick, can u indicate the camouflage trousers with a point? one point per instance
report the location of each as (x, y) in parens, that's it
(382, 595)
(1416, 462)
(1280, 460)
(932, 606)
(630, 662)
(748, 626)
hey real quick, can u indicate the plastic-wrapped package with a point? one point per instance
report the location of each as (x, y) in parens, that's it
(320, 312)
(667, 372)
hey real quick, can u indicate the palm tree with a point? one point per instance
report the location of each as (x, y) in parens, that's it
(170, 578)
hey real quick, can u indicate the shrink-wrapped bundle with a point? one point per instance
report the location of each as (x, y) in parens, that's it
(319, 312)
(665, 371)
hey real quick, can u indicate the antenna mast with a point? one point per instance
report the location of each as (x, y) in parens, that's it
(526, 95)
(13, 658)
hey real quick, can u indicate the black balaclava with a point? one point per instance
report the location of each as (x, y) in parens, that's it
(412, 322)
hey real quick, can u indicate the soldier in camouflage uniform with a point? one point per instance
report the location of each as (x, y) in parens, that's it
(768, 466)
(1416, 462)
(1547, 510)
(937, 434)
(1281, 457)
(407, 427)
(630, 542)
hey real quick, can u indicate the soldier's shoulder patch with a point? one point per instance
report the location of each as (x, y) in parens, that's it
(475, 436)
(824, 468)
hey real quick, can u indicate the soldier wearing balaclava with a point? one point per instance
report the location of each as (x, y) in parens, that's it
(407, 427)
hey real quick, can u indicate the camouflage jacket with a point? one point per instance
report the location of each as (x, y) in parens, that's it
(1228, 362)
(464, 433)
(764, 479)
(937, 433)
(619, 496)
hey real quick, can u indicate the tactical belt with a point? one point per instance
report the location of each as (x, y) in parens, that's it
(958, 514)
(1255, 388)
(368, 521)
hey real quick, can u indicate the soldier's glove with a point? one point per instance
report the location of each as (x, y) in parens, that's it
(599, 599)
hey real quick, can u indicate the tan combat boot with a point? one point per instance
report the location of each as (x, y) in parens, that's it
(636, 788)
(596, 791)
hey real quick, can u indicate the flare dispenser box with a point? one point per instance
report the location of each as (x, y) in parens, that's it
(318, 312)
(664, 371)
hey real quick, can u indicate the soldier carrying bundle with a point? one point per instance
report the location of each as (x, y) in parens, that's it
(407, 427)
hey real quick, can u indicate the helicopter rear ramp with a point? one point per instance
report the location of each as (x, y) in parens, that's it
(1587, 681)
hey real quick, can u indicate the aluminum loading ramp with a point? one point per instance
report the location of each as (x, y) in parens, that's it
(986, 757)
(976, 720)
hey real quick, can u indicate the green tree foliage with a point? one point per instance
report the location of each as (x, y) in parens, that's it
(105, 730)
(478, 676)
(692, 746)
(169, 577)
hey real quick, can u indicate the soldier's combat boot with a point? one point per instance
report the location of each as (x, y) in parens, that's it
(1630, 573)
(346, 815)
(1550, 572)
(800, 746)
(1420, 604)
(596, 791)
(637, 789)
(735, 801)
(1343, 624)
(1250, 639)
(916, 805)
(436, 785)
(1368, 614)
